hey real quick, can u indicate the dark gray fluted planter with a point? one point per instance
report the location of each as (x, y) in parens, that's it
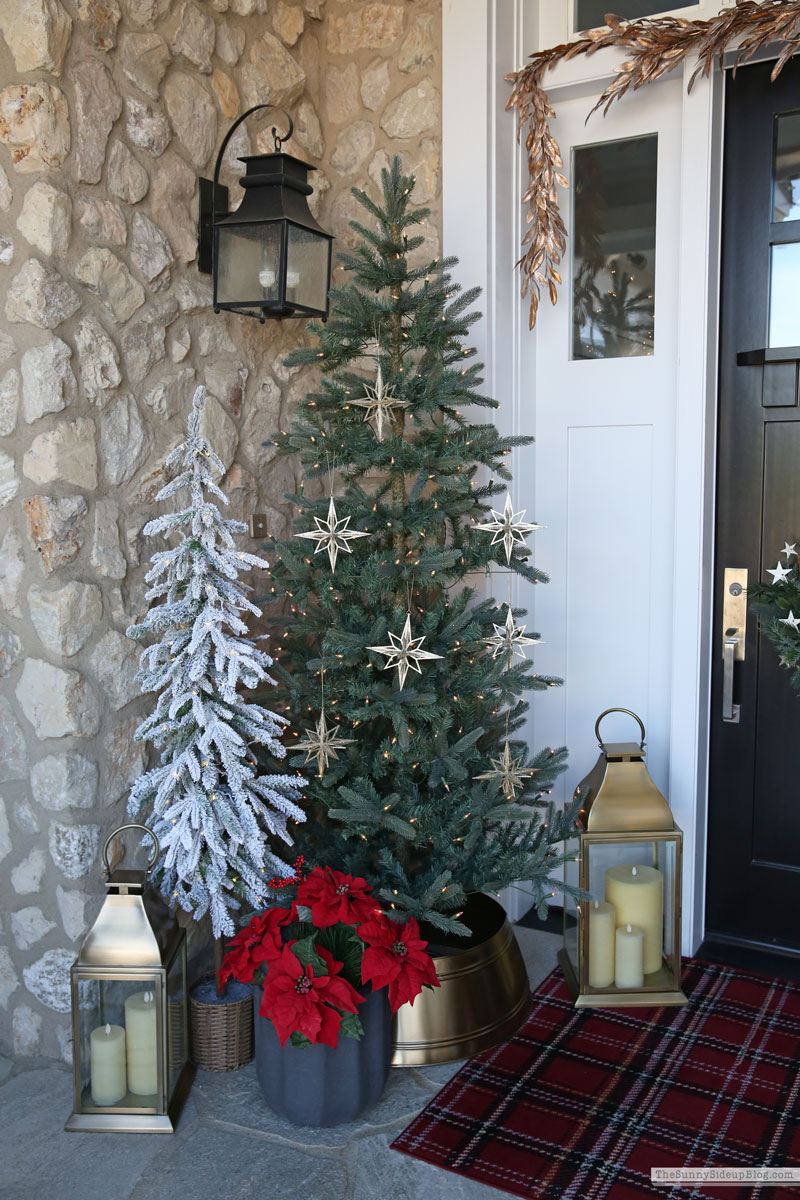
(318, 1085)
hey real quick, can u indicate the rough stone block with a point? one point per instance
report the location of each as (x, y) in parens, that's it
(150, 249)
(413, 112)
(48, 979)
(147, 128)
(37, 33)
(97, 106)
(9, 481)
(48, 384)
(66, 454)
(13, 756)
(106, 556)
(29, 926)
(98, 360)
(106, 275)
(10, 650)
(39, 296)
(103, 220)
(144, 57)
(66, 618)
(56, 528)
(272, 76)
(115, 663)
(46, 218)
(34, 124)
(195, 36)
(9, 402)
(72, 907)
(125, 759)
(58, 703)
(62, 781)
(26, 878)
(9, 980)
(124, 440)
(73, 848)
(12, 569)
(193, 115)
(370, 27)
(26, 1029)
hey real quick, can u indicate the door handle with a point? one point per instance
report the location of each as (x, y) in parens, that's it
(734, 631)
(730, 711)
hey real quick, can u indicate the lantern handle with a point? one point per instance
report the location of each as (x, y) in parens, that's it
(146, 829)
(278, 140)
(628, 713)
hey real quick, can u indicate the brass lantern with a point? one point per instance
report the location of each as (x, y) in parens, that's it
(622, 947)
(130, 1010)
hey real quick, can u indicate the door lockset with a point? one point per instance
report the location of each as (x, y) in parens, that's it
(734, 630)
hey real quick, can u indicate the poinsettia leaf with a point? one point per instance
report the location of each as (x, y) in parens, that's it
(299, 1040)
(306, 952)
(303, 912)
(346, 946)
(351, 1026)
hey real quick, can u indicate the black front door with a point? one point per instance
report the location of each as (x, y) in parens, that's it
(753, 890)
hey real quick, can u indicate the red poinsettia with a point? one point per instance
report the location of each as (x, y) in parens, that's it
(396, 956)
(258, 943)
(297, 1000)
(334, 897)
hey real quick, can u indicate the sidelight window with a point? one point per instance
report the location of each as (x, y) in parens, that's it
(590, 14)
(614, 248)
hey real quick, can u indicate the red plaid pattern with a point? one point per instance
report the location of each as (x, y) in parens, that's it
(581, 1103)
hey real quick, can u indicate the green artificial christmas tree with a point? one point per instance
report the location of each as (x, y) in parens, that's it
(405, 686)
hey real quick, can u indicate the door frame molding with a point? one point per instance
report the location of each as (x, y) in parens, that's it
(483, 178)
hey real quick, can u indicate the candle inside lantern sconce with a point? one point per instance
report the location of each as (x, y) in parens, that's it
(602, 922)
(141, 1043)
(628, 963)
(107, 1065)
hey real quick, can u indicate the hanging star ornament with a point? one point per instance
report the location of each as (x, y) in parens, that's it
(332, 535)
(379, 403)
(779, 574)
(509, 528)
(789, 550)
(404, 652)
(321, 743)
(791, 620)
(508, 772)
(510, 638)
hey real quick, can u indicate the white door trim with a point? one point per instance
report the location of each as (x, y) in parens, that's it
(483, 174)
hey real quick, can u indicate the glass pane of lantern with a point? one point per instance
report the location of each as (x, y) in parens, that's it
(614, 248)
(177, 1019)
(307, 268)
(118, 1043)
(248, 263)
(646, 901)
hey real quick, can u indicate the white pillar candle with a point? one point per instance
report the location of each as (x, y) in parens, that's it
(107, 1064)
(637, 894)
(628, 968)
(602, 922)
(142, 1047)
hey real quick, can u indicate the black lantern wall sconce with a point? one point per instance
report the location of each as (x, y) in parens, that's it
(270, 258)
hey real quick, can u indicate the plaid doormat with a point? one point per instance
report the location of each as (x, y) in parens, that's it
(581, 1103)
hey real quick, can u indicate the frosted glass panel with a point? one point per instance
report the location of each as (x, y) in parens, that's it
(589, 14)
(614, 248)
(784, 288)
(786, 174)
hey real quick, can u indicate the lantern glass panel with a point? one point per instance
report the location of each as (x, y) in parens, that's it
(248, 263)
(177, 1019)
(660, 853)
(571, 917)
(118, 1070)
(307, 268)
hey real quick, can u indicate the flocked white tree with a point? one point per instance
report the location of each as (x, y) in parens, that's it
(210, 809)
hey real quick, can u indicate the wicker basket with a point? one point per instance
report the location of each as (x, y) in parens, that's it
(222, 1034)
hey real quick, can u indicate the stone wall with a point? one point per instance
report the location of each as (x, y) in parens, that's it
(109, 110)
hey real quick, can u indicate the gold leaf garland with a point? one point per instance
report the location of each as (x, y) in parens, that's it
(655, 45)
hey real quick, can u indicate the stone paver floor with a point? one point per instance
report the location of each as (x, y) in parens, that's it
(228, 1143)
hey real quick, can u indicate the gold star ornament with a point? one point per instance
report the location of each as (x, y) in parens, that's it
(404, 652)
(509, 528)
(508, 773)
(379, 404)
(322, 743)
(510, 638)
(332, 535)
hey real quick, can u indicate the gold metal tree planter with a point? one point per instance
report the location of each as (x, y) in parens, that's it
(484, 996)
